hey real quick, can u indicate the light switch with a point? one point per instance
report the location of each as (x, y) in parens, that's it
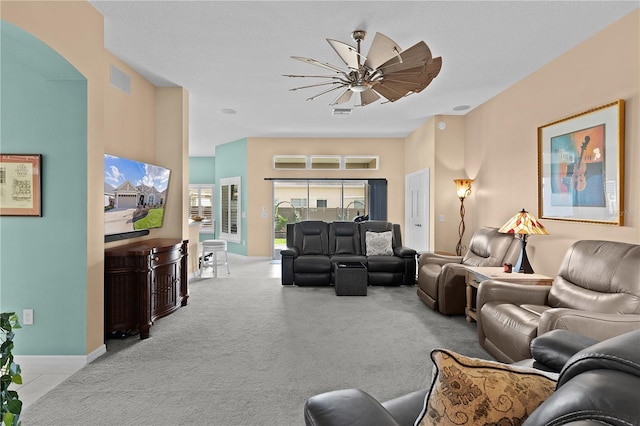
(27, 316)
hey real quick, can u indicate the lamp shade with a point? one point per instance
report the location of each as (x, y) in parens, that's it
(463, 187)
(523, 223)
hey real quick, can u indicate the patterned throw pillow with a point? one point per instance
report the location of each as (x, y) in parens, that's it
(471, 391)
(379, 243)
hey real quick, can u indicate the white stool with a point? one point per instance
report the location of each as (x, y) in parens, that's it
(212, 247)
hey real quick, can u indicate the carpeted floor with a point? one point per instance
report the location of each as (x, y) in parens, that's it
(249, 351)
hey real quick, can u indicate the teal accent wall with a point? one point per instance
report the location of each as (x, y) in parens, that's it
(231, 161)
(43, 260)
(202, 170)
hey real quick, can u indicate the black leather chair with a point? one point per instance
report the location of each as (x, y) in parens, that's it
(344, 244)
(389, 270)
(306, 260)
(596, 386)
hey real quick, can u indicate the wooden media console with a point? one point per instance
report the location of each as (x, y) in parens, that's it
(144, 281)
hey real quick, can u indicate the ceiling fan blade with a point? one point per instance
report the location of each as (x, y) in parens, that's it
(432, 70)
(346, 95)
(368, 96)
(319, 64)
(382, 49)
(400, 86)
(326, 91)
(317, 85)
(334, 77)
(416, 55)
(348, 54)
(415, 79)
(390, 92)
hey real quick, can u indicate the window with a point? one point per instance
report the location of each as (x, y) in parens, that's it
(230, 224)
(361, 162)
(289, 162)
(299, 202)
(325, 162)
(321, 203)
(201, 205)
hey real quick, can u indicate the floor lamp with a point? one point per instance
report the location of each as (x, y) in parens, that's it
(523, 224)
(463, 188)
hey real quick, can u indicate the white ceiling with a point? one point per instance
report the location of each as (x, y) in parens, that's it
(232, 54)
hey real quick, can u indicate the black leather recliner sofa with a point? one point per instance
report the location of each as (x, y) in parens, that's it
(313, 247)
(597, 385)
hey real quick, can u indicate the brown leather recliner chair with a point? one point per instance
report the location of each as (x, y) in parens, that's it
(596, 294)
(441, 278)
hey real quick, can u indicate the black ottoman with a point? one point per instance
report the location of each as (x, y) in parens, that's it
(350, 279)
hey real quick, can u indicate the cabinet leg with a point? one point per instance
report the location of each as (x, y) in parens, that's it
(144, 331)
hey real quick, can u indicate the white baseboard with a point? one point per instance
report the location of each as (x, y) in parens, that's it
(57, 364)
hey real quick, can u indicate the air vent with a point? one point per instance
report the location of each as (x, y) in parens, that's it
(341, 111)
(120, 80)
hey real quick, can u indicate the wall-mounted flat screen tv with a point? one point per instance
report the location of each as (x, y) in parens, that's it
(135, 195)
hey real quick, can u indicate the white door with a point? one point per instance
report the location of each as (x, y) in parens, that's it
(416, 219)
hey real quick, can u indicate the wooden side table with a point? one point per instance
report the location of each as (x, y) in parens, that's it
(476, 274)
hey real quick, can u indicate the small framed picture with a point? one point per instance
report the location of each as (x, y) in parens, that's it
(20, 185)
(581, 167)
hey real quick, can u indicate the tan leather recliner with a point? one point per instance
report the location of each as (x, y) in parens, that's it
(441, 278)
(596, 294)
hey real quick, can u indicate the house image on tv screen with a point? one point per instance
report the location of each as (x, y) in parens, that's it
(135, 195)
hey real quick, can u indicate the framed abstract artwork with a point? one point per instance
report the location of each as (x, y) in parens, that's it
(20, 185)
(581, 167)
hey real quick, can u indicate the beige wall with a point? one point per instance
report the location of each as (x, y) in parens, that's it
(117, 123)
(172, 151)
(260, 166)
(501, 142)
(442, 151)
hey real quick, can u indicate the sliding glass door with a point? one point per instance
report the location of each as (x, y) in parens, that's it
(315, 199)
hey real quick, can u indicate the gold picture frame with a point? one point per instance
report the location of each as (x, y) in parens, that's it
(20, 185)
(581, 167)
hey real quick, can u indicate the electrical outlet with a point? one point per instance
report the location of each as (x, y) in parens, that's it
(27, 317)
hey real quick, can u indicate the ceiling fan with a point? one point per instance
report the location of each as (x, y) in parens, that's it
(387, 71)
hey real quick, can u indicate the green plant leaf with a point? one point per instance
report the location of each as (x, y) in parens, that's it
(15, 406)
(17, 379)
(7, 419)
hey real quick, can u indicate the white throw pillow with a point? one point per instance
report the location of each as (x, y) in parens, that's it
(379, 243)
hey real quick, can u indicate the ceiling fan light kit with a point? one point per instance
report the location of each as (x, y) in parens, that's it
(387, 71)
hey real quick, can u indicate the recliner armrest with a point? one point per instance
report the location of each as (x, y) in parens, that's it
(438, 259)
(597, 325)
(516, 294)
(618, 353)
(404, 252)
(352, 407)
(289, 252)
(553, 349)
(596, 384)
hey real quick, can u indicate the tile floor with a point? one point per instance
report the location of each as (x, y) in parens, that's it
(36, 382)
